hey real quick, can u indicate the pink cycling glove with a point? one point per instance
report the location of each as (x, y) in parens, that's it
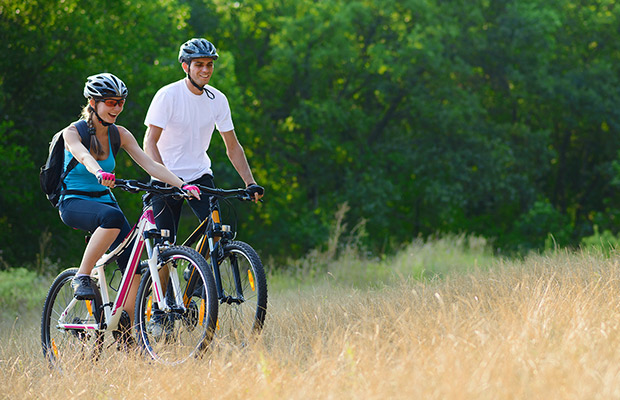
(193, 190)
(104, 176)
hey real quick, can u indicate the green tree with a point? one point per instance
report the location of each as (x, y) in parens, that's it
(48, 49)
(491, 117)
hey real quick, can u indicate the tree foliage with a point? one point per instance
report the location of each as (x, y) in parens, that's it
(491, 117)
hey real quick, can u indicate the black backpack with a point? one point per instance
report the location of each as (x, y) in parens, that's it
(52, 175)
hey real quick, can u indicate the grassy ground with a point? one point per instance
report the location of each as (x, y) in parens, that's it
(442, 319)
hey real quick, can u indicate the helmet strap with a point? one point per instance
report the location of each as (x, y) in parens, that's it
(98, 117)
(197, 86)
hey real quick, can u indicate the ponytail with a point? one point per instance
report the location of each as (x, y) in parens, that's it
(95, 145)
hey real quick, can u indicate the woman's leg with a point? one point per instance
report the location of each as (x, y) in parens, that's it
(99, 243)
(105, 221)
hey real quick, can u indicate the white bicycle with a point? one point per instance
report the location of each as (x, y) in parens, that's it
(176, 305)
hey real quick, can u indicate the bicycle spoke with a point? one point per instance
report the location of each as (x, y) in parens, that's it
(64, 346)
(243, 307)
(186, 328)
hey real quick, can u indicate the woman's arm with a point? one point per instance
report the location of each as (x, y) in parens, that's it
(153, 168)
(73, 143)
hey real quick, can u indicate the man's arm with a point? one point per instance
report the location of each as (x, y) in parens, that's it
(236, 155)
(153, 133)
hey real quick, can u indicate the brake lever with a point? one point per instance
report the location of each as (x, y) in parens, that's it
(128, 188)
(247, 197)
(183, 194)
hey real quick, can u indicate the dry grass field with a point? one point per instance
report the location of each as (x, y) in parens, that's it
(547, 327)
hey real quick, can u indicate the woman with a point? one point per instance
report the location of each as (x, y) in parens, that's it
(97, 211)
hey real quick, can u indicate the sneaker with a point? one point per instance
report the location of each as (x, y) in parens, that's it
(82, 287)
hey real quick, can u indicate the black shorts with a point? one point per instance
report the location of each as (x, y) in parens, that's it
(88, 215)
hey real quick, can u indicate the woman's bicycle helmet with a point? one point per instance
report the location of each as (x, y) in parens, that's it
(104, 85)
(197, 48)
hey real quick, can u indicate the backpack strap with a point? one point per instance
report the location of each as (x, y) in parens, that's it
(82, 128)
(115, 141)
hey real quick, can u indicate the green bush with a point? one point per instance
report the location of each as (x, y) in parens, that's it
(605, 242)
(535, 227)
(21, 291)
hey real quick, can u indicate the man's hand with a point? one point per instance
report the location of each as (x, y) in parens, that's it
(256, 192)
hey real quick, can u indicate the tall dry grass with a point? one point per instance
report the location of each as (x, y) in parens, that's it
(547, 327)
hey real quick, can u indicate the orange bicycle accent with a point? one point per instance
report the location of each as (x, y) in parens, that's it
(149, 308)
(251, 279)
(201, 312)
(54, 348)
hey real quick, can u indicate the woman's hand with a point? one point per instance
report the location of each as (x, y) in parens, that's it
(192, 190)
(105, 178)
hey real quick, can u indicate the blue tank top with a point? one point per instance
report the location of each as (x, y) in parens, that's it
(80, 178)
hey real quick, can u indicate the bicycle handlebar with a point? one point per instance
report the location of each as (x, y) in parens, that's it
(240, 194)
(134, 186)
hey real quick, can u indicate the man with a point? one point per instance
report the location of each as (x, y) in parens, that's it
(180, 123)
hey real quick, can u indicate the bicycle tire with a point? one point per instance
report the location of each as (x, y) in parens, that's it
(242, 313)
(180, 333)
(68, 346)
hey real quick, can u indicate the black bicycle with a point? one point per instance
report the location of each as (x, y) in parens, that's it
(239, 275)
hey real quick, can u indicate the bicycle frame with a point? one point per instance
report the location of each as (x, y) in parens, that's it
(209, 240)
(242, 299)
(141, 234)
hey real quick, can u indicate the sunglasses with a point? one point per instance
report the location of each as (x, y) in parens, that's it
(113, 103)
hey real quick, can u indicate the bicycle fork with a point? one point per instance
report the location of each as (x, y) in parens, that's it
(160, 293)
(218, 232)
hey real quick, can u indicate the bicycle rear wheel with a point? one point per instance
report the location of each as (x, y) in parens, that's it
(186, 329)
(64, 346)
(243, 308)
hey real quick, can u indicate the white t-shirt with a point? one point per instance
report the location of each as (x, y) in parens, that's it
(188, 122)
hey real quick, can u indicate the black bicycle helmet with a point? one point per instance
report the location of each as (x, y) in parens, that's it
(196, 48)
(104, 85)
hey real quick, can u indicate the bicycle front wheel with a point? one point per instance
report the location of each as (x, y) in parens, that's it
(63, 345)
(184, 328)
(243, 306)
